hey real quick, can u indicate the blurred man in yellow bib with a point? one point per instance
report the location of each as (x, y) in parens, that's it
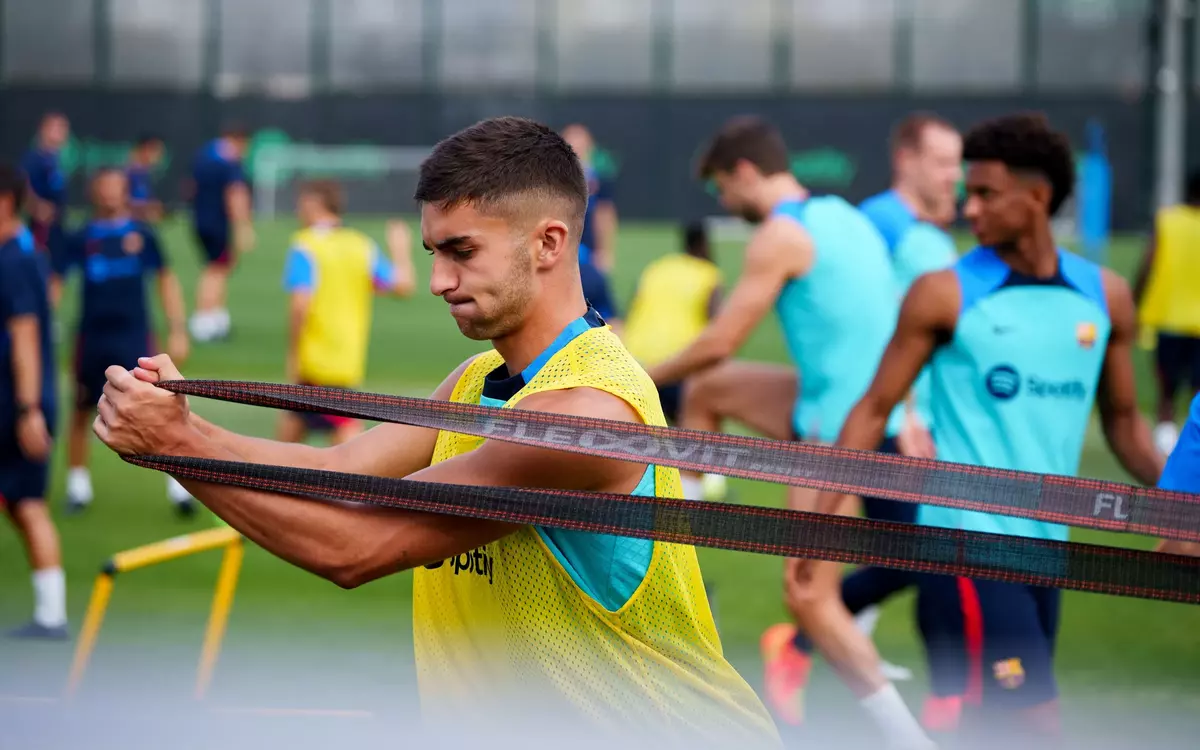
(1167, 291)
(516, 628)
(332, 275)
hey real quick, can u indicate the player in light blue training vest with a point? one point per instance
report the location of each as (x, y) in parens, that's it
(1022, 338)
(926, 171)
(824, 269)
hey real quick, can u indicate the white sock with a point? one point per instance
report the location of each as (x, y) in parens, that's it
(176, 492)
(867, 619)
(50, 597)
(201, 326)
(1165, 436)
(79, 485)
(693, 487)
(890, 713)
(221, 321)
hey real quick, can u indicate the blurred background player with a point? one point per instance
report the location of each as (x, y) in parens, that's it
(597, 254)
(48, 187)
(27, 407)
(1022, 338)
(331, 274)
(911, 216)
(115, 255)
(1167, 291)
(145, 157)
(223, 226)
(677, 295)
(824, 268)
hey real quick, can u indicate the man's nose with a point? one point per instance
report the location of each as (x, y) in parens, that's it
(442, 278)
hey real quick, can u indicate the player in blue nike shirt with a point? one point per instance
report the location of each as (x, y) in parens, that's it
(116, 255)
(145, 157)
(48, 186)
(223, 226)
(27, 406)
(824, 269)
(1021, 338)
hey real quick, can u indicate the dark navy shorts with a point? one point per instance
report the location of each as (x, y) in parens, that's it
(879, 509)
(93, 357)
(988, 642)
(214, 247)
(671, 398)
(1178, 361)
(21, 480)
(315, 422)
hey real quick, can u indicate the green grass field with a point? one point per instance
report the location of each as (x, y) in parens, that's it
(1119, 658)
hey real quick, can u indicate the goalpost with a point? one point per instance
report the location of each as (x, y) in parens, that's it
(376, 179)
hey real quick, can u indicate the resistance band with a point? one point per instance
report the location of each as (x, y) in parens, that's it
(1084, 567)
(1108, 506)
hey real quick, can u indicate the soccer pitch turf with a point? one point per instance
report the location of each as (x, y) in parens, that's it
(1119, 659)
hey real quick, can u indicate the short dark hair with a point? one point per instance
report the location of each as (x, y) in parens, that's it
(329, 192)
(13, 183)
(1025, 142)
(1191, 193)
(695, 239)
(907, 133)
(497, 160)
(145, 139)
(746, 138)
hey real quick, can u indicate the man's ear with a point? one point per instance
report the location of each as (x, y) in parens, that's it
(1040, 191)
(551, 238)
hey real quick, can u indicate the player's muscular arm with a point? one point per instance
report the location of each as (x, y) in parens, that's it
(781, 250)
(1125, 428)
(399, 242)
(928, 314)
(351, 544)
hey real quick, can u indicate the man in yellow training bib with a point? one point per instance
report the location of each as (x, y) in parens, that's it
(332, 274)
(515, 627)
(1167, 291)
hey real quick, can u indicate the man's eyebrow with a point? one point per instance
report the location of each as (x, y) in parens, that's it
(450, 243)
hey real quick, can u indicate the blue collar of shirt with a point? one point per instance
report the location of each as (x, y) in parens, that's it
(499, 386)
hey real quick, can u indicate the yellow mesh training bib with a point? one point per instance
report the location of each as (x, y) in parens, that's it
(332, 347)
(507, 627)
(1172, 300)
(670, 308)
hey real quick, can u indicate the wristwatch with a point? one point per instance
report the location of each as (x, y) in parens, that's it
(23, 409)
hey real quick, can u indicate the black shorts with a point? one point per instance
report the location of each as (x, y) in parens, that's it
(21, 480)
(93, 357)
(317, 422)
(1178, 361)
(989, 642)
(671, 398)
(882, 509)
(214, 247)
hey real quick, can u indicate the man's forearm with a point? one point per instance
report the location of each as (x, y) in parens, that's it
(1131, 441)
(864, 430)
(341, 543)
(702, 354)
(26, 360)
(261, 450)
